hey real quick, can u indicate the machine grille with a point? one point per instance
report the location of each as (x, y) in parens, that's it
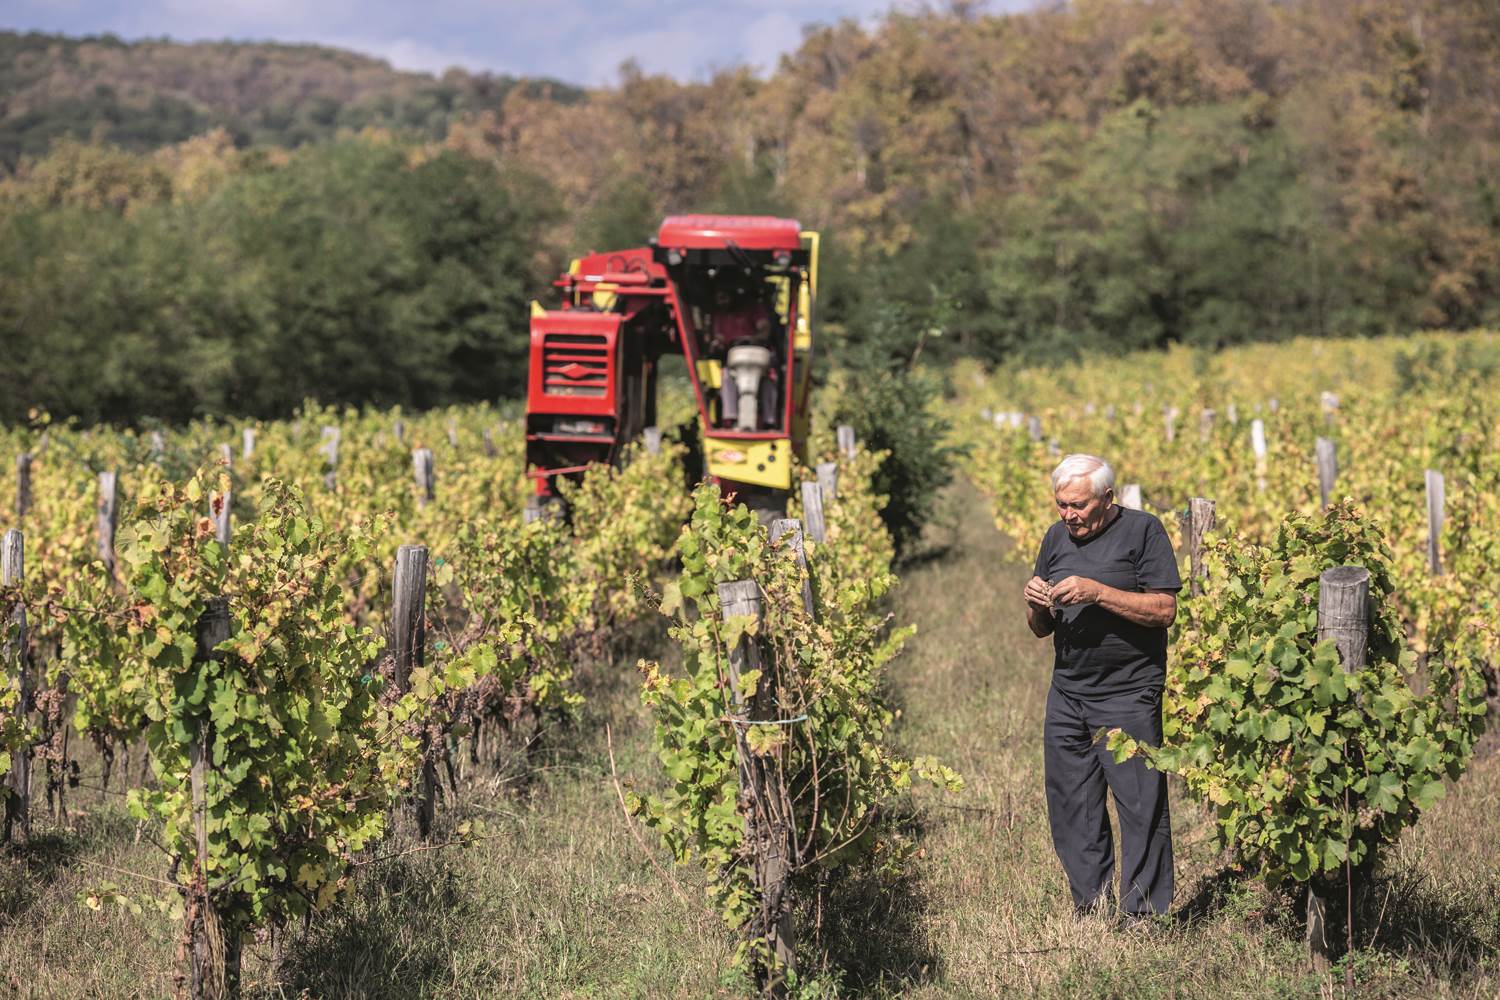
(575, 364)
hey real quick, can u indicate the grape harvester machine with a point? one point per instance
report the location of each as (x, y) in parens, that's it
(735, 296)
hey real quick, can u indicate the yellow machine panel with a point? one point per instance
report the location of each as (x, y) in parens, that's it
(759, 463)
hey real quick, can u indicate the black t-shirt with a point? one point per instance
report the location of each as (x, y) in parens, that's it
(1098, 652)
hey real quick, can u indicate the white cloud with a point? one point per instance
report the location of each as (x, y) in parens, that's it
(411, 54)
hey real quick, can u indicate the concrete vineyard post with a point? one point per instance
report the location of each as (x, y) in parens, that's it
(1232, 413)
(421, 462)
(1200, 523)
(23, 485)
(1329, 404)
(790, 529)
(1328, 469)
(487, 439)
(219, 507)
(221, 504)
(1130, 496)
(1206, 424)
(108, 519)
(766, 826)
(812, 512)
(14, 658)
(247, 442)
(1034, 428)
(330, 451)
(847, 441)
(158, 447)
(409, 646)
(399, 429)
(215, 954)
(1435, 503)
(453, 436)
(1169, 422)
(828, 480)
(652, 437)
(1258, 449)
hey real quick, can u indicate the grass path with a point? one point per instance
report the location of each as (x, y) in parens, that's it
(562, 902)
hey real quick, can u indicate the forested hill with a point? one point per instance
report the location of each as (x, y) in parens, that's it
(145, 94)
(1095, 176)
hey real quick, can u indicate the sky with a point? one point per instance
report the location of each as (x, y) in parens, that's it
(580, 41)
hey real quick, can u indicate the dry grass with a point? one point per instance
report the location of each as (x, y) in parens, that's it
(560, 901)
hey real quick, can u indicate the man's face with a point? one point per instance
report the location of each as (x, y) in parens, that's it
(1079, 509)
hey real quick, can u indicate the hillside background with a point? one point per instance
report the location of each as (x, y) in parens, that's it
(232, 228)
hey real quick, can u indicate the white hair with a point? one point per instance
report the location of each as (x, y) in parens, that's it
(1091, 467)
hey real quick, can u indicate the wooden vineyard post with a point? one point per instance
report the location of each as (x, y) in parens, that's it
(109, 518)
(1258, 448)
(1344, 618)
(487, 438)
(330, 450)
(23, 486)
(1328, 469)
(247, 442)
(1200, 523)
(421, 463)
(409, 644)
(1435, 503)
(791, 529)
(1344, 612)
(828, 480)
(812, 513)
(1130, 496)
(215, 948)
(453, 436)
(14, 658)
(847, 441)
(767, 827)
(652, 437)
(399, 429)
(1169, 423)
(1206, 424)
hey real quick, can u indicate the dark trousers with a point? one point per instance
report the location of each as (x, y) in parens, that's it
(1078, 770)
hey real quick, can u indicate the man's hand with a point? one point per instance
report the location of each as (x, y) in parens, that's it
(1038, 592)
(1039, 607)
(1077, 590)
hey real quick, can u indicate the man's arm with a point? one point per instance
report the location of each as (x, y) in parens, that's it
(1152, 608)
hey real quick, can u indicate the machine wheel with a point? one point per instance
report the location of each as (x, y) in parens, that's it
(544, 508)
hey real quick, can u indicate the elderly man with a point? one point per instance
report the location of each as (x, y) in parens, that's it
(1104, 588)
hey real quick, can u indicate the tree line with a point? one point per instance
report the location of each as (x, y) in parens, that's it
(1105, 175)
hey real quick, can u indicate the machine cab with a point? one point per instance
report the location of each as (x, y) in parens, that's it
(745, 285)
